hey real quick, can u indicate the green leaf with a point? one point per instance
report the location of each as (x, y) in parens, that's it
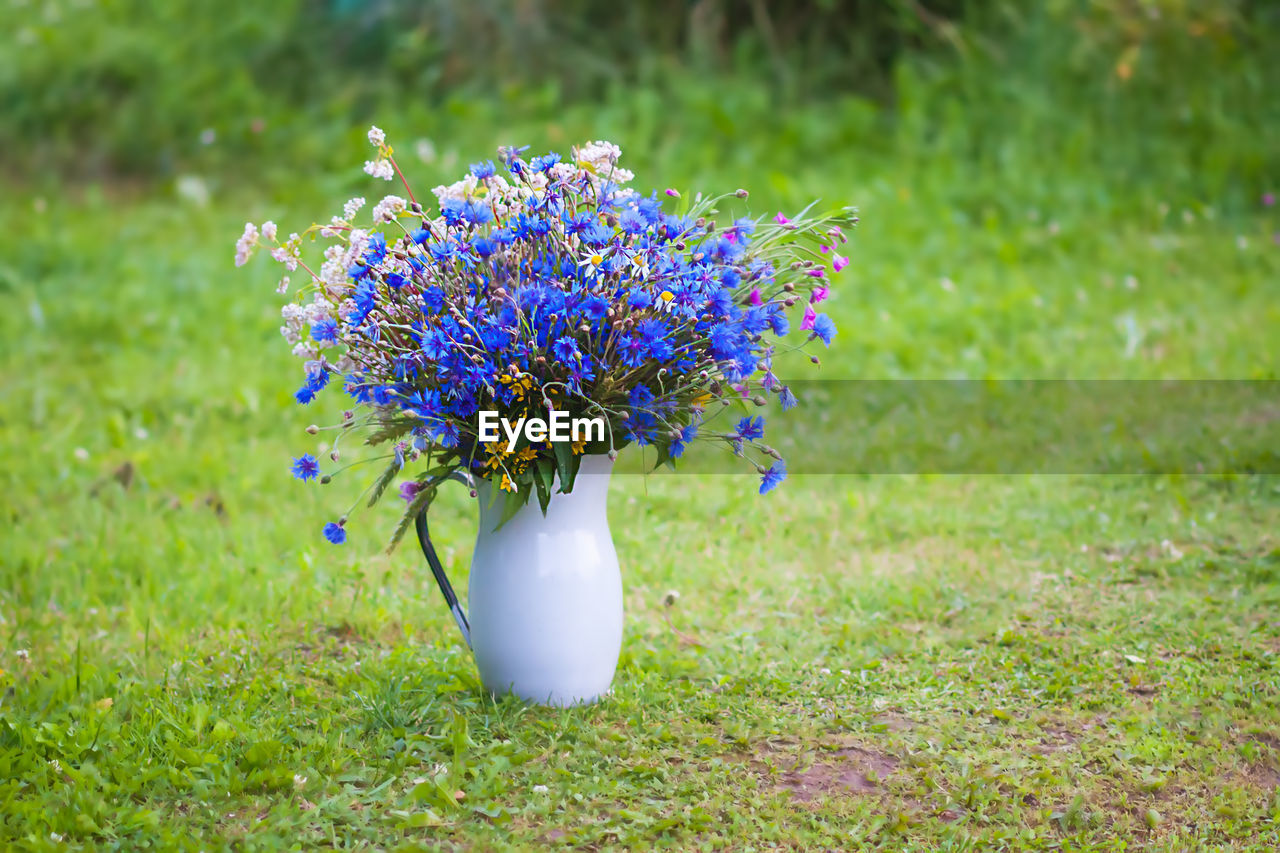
(513, 502)
(383, 481)
(420, 502)
(544, 476)
(390, 430)
(564, 465)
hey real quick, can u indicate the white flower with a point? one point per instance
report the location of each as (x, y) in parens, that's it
(305, 350)
(357, 242)
(244, 246)
(299, 780)
(458, 190)
(283, 286)
(379, 169)
(352, 207)
(286, 257)
(539, 789)
(269, 230)
(389, 208)
(23, 654)
(376, 136)
(599, 154)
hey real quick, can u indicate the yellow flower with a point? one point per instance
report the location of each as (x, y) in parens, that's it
(579, 446)
(507, 485)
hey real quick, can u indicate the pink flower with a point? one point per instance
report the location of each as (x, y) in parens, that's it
(820, 293)
(409, 490)
(780, 219)
(754, 296)
(809, 316)
(816, 272)
(824, 249)
(673, 193)
(839, 263)
(1268, 199)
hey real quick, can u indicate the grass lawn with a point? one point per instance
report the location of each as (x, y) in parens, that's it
(913, 662)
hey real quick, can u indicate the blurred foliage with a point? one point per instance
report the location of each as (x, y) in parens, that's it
(1169, 95)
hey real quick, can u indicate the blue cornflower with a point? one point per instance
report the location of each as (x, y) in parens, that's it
(477, 212)
(825, 328)
(640, 298)
(396, 280)
(744, 225)
(720, 303)
(728, 341)
(594, 307)
(420, 235)
(565, 348)
(771, 478)
(681, 442)
(545, 162)
(787, 398)
(484, 246)
(375, 251)
(445, 433)
(778, 321)
(335, 532)
(305, 394)
(305, 467)
(580, 222)
(484, 169)
(326, 331)
(750, 428)
(596, 234)
(633, 222)
(433, 299)
(452, 209)
(650, 209)
(511, 155)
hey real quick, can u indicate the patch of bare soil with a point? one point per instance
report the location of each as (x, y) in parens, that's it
(852, 770)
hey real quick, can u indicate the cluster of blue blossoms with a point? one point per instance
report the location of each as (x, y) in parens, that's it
(545, 283)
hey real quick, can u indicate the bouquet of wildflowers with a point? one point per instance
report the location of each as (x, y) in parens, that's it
(546, 285)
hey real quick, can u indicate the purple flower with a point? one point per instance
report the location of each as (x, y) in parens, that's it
(335, 532)
(773, 476)
(819, 293)
(305, 467)
(754, 296)
(809, 316)
(1268, 199)
(409, 490)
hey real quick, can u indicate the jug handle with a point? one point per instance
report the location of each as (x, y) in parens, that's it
(429, 551)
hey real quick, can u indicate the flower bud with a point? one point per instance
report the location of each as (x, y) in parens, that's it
(613, 454)
(333, 455)
(326, 480)
(742, 193)
(814, 359)
(313, 429)
(789, 287)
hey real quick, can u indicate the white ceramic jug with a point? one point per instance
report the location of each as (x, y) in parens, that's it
(545, 594)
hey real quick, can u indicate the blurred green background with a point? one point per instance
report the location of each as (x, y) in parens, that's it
(1068, 188)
